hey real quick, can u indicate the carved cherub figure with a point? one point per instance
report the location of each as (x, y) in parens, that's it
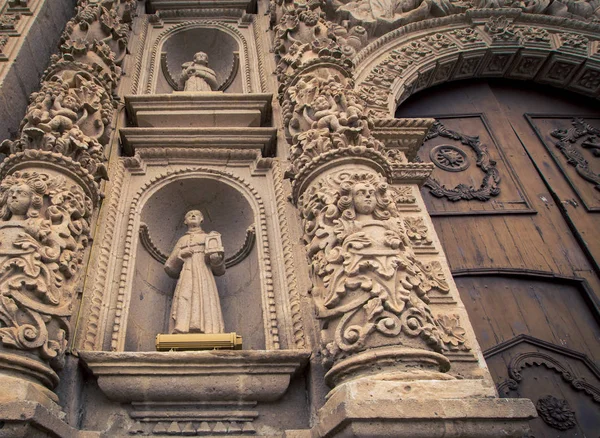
(325, 114)
(64, 114)
(196, 75)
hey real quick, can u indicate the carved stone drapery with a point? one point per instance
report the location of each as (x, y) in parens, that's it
(50, 189)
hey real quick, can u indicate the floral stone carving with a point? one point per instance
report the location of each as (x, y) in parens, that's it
(369, 288)
(43, 233)
(196, 306)
(556, 412)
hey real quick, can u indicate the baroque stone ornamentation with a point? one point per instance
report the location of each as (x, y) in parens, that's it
(72, 112)
(44, 231)
(556, 412)
(454, 160)
(196, 306)
(369, 288)
(383, 16)
(49, 188)
(567, 144)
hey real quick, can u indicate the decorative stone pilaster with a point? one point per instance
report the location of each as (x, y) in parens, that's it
(384, 299)
(49, 190)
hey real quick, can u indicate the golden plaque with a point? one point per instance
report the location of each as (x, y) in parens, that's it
(198, 341)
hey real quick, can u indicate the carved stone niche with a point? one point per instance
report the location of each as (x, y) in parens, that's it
(178, 54)
(152, 288)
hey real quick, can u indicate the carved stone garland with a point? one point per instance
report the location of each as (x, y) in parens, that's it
(369, 289)
(49, 189)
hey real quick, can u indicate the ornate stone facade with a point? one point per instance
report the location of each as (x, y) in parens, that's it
(335, 276)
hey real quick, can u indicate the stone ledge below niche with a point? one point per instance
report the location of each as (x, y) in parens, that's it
(195, 376)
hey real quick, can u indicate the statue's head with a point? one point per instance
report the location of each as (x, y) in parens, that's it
(193, 218)
(321, 103)
(22, 194)
(201, 58)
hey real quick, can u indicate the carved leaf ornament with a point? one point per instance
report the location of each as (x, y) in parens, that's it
(453, 159)
(567, 144)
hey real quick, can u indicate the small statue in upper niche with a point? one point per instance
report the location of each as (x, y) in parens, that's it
(195, 258)
(196, 75)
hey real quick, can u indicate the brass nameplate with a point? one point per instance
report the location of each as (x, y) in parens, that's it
(198, 341)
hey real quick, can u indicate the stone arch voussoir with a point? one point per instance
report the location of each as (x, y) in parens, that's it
(499, 43)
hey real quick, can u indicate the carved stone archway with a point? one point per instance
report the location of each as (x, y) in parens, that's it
(483, 43)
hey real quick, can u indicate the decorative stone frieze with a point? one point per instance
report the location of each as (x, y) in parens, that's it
(485, 43)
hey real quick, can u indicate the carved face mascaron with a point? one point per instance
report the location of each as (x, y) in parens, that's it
(364, 198)
(19, 199)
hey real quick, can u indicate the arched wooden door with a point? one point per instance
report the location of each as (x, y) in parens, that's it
(515, 198)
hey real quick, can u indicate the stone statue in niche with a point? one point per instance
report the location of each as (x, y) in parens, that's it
(195, 258)
(196, 75)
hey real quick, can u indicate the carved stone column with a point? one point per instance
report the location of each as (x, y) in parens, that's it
(387, 315)
(48, 194)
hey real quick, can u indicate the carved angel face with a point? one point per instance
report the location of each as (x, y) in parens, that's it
(193, 218)
(364, 198)
(19, 199)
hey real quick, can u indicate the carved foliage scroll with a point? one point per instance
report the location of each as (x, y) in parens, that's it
(43, 233)
(72, 113)
(369, 287)
(569, 143)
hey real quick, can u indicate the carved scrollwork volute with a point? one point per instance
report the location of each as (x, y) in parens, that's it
(370, 290)
(44, 231)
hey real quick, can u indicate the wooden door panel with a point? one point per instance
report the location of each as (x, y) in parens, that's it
(540, 337)
(555, 311)
(574, 143)
(471, 176)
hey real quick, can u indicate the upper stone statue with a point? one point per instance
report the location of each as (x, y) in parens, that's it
(196, 75)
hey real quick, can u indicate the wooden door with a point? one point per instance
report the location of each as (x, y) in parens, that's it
(515, 199)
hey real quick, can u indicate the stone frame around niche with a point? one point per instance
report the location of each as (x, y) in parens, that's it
(106, 325)
(155, 37)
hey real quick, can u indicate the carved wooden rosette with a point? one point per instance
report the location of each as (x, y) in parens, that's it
(370, 291)
(49, 189)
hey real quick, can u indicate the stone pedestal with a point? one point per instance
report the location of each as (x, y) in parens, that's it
(421, 409)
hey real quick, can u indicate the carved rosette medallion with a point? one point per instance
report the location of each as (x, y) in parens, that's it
(449, 158)
(556, 413)
(453, 159)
